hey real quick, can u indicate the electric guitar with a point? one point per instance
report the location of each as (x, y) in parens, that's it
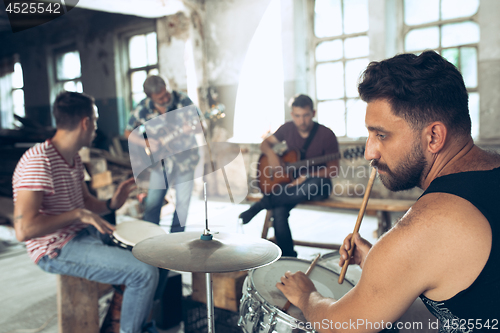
(268, 178)
(165, 137)
(165, 133)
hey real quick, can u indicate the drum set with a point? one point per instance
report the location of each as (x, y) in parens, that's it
(206, 253)
(261, 306)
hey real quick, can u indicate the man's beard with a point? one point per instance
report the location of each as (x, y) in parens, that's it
(407, 175)
(168, 104)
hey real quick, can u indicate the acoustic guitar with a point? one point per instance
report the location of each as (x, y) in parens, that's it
(293, 165)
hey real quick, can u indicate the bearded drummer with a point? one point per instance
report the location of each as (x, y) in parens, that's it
(446, 249)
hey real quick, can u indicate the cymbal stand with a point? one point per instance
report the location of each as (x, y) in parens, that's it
(207, 236)
(210, 303)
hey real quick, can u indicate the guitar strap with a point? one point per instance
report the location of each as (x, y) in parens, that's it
(303, 150)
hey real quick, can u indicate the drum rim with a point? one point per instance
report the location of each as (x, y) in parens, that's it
(281, 313)
(129, 244)
(328, 255)
(121, 244)
(119, 239)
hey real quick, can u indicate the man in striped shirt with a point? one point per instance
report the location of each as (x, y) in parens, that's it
(58, 218)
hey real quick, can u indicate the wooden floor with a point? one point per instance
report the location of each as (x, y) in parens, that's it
(28, 295)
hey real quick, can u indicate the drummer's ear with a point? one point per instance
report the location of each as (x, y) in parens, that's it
(435, 136)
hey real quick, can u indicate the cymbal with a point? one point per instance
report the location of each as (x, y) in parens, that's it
(186, 252)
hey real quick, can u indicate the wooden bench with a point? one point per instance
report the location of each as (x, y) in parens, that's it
(375, 207)
(78, 304)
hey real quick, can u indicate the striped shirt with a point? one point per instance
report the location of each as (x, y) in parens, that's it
(42, 168)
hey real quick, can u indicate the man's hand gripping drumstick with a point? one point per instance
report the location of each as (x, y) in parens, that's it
(298, 288)
(313, 263)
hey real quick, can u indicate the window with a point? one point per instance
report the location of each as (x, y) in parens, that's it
(68, 71)
(450, 28)
(12, 95)
(253, 124)
(142, 61)
(341, 53)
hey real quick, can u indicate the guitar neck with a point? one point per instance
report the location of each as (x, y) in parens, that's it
(315, 160)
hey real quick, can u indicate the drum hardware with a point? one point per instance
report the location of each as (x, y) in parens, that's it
(207, 236)
(251, 311)
(206, 253)
(358, 222)
(252, 308)
(272, 320)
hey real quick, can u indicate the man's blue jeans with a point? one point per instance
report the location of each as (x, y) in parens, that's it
(154, 200)
(87, 257)
(284, 199)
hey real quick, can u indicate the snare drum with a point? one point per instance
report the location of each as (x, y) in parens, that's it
(261, 303)
(129, 233)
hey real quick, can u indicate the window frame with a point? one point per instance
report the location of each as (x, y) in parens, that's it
(147, 68)
(56, 86)
(314, 42)
(123, 76)
(12, 125)
(62, 50)
(12, 94)
(440, 23)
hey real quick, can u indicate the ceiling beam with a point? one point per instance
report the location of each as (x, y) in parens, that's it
(143, 8)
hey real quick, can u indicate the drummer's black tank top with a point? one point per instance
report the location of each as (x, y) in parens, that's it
(476, 308)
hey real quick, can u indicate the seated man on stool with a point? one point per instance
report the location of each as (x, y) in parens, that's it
(58, 218)
(313, 182)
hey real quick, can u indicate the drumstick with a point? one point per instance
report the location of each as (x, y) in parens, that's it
(358, 223)
(313, 263)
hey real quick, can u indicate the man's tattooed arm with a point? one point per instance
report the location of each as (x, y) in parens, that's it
(17, 218)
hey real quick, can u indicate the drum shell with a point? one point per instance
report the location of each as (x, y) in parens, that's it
(258, 314)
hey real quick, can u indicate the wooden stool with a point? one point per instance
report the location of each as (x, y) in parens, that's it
(227, 289)
(78, 304)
